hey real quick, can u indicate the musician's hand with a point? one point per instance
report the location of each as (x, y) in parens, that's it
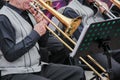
(38, 17)
(40, 28)
(103, 7)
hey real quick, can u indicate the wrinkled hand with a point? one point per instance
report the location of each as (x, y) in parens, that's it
(40, 28)
(38, 17)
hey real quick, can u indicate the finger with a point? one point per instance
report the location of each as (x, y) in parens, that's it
(31, 10)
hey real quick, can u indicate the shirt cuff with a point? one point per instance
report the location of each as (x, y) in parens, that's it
(34, 36)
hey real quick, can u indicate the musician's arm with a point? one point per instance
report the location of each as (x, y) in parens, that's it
(10, 49)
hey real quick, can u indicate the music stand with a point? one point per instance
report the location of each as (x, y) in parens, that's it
(99, 37)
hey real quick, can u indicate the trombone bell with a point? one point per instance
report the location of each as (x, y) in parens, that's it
(73, 26)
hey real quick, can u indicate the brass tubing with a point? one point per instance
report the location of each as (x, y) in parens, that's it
(59, 38)
(96, 63)
(54, 24)
(64, 35)
(56, 27)
(90, 67)
(103, 78)
(71, 24)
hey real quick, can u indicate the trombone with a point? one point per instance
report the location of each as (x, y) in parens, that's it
(107, 12)
(71, 25)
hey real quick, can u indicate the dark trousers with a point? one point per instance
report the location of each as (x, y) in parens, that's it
(58, 52)
(116, 56)
(102, 60)
(54, 51)
(51, 72)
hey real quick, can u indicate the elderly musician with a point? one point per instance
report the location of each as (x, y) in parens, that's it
(21, 55)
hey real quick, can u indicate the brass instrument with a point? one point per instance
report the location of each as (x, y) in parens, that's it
(71, 24)
(98, 4)
(116, 2)
(47, 2)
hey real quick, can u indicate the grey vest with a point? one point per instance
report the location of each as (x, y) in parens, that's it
(30, 61)
(85, 12)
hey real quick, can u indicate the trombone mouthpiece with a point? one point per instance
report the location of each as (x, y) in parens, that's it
(32, 5)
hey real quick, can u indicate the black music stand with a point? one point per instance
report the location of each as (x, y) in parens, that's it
(99, 37)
